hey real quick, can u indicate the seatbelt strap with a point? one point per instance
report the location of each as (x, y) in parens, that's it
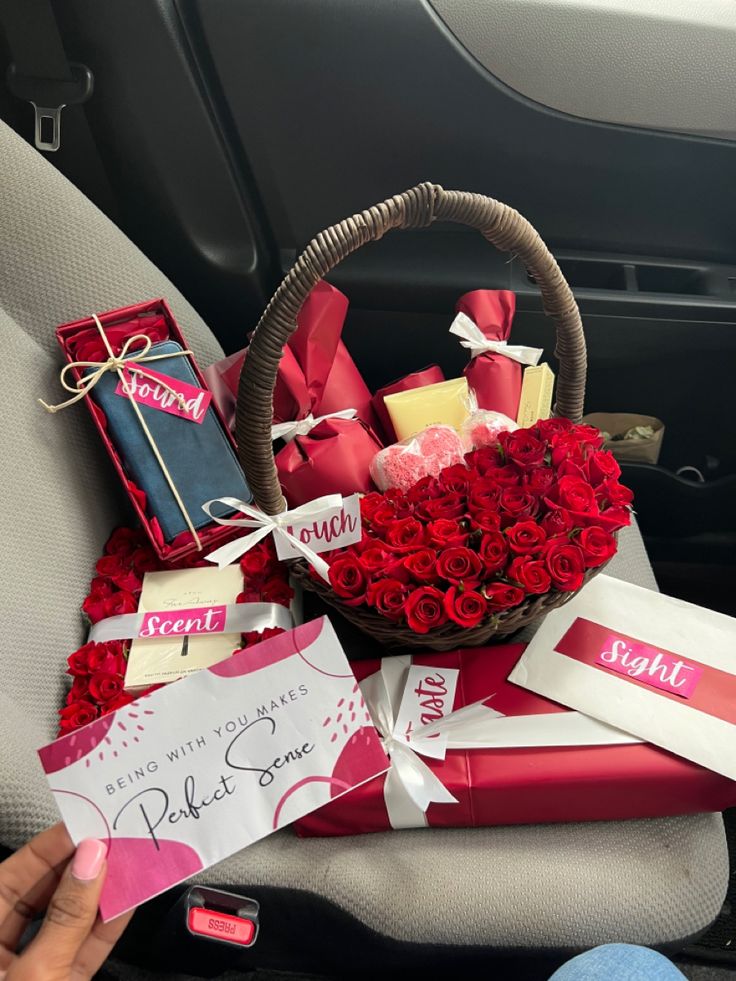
(40, 72)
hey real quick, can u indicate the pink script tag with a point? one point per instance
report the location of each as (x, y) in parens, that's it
(650, 666)
(147, 390)
(177, 623)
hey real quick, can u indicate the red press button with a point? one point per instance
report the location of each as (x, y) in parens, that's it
(220, 926)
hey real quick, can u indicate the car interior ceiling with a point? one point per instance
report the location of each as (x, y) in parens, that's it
(221, 136)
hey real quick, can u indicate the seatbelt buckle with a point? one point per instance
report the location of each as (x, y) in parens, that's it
(49, 96)
(221, 916)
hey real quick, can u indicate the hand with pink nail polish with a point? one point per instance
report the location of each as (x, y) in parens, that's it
(49, 874)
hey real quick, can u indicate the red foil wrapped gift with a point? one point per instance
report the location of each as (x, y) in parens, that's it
(417, 379)
(334, 457)
(317, 374)
(495, 378)
(521, 778)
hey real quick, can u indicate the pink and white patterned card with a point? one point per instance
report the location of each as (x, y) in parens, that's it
(184, 777)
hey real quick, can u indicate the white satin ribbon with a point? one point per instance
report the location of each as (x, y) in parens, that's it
(240, 618)
(301, 427)
(269, 524)
(473, 338)
(410, 786)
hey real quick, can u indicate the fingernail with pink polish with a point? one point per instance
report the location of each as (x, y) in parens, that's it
(88, 859)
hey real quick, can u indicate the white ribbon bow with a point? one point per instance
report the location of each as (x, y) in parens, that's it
(269, 524)
(301, 427)
(410, 786)
(473, 338)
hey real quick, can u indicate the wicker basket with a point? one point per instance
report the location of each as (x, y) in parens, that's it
(415, 208)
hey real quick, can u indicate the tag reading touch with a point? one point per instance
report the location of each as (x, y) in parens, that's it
(333, 528)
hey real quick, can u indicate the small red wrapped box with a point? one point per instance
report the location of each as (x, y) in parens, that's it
(495, 378)
(519, 779)
(81, 342)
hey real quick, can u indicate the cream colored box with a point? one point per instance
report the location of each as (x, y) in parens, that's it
(158, 661)
(445, 403)
(536, 395)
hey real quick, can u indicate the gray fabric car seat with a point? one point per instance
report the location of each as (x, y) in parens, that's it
(649, 882)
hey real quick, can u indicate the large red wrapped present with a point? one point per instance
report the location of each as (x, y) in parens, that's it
(317, 375)
(525, 759)
(417, 379)
(496, 369)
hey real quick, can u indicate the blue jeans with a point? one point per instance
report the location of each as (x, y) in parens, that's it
(618, 962)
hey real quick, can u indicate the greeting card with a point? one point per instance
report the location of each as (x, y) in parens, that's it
(187, 775)
(652, 665)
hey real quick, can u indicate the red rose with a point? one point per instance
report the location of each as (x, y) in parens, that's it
(455, 479)
(107, 656)
(348, 580)
(79, 691)
(123, 699)
(611, 519)
(597, 546)
(448, 506)
(256, 562)
(384, 516)
(144, 560)
(101, 587)
(388, 597)
(120, 602)
(465, 607)
(523, 448)
(530, 574)
(425, 609)
(374, 558)
(459, 565)
(77, 663)
(567, 447)
(422, 565)
(526, 537)
(557, 522)
(277, 590)
(76, 715)
(425, 488)
(94, 608)
(406, 534)
(445, 532)
(603, 465)
(539, 480)
(369, 504)
(485, 520)
(118, 569)
(105, 686)
(502, 596)
(612, 494)
(566, 566)
(484, 495)
(504, 476)
(518, 502)
(493, 551)
(547, 428)
(485, 458)
(575, 495)
(253, 637)
(124, 540)
(590, 435)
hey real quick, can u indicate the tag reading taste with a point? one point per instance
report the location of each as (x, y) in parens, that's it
(147, 389)
(429, 695)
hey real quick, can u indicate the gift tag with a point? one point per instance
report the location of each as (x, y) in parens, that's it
(151, 388)
(330, 529)
(429, 695)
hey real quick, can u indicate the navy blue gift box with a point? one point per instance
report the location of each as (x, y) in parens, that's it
(200, 458)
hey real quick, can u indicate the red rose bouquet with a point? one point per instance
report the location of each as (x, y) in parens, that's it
(520, 526)
(98, 669)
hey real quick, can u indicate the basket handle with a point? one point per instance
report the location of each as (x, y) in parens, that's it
(415, 208)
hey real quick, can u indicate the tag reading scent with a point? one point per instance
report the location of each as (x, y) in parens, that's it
(178, 623)
(147, 389)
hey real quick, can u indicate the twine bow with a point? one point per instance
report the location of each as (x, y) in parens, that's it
(301, 427)
(269, 524)
(127, 360)
(473, 338)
